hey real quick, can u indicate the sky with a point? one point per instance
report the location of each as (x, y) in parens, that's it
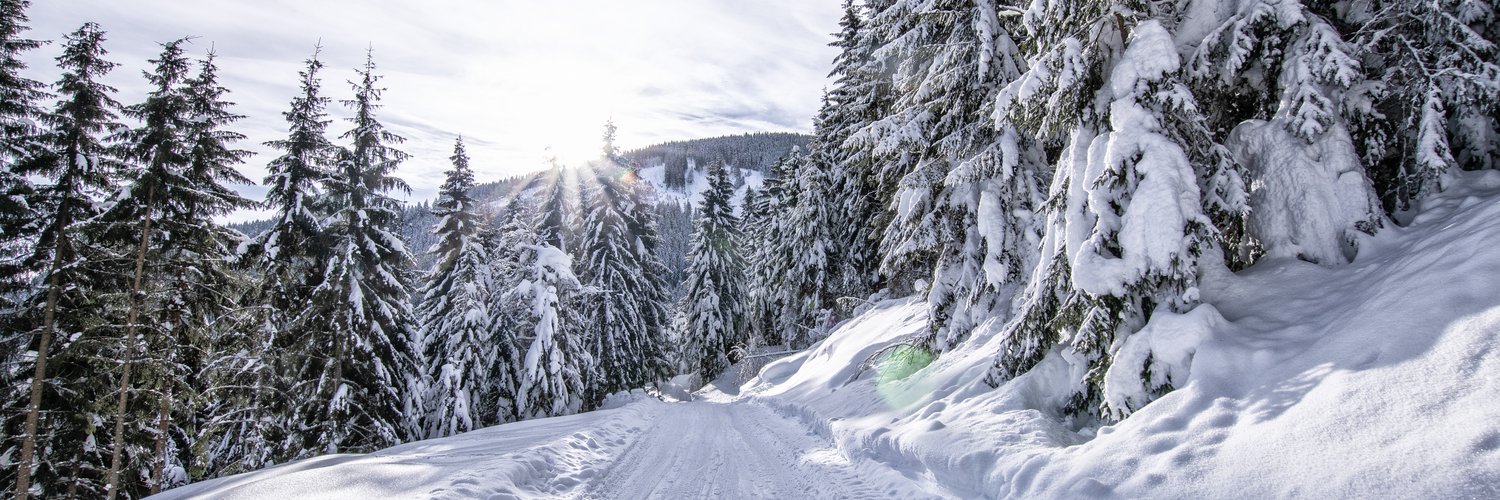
(521, 81)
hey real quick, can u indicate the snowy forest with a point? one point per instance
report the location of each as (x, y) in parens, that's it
(1060, 175)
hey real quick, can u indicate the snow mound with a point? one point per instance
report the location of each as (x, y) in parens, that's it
(1372, 379)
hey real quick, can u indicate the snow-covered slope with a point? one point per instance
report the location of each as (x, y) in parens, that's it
(697, 182)
(1374, 379)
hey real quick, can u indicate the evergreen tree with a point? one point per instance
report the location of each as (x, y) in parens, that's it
(554, 360)
(860, 97)
(454, 310)
(1288, 50)
(712, 308)
(82, 169)
(1435, 104)
(200, 256)
(20, 106)
(139, 218)
(626, 302)
(964, 205)
(1126, 223)
(766, 264)
(355, 387)
(809, 239)
(509, 319)
(253, 431)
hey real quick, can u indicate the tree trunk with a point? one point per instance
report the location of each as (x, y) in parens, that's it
(163, 423)
(113, 486)
(38, 378)
(73, 485)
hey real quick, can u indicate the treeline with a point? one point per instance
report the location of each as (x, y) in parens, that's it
(1059, 172)
(754, 151)
(146, 346)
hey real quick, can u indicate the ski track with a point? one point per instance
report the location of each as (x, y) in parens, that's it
(738, 450)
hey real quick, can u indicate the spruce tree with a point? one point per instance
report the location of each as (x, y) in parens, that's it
(454, 310)
(134, 224)
(196, 254)
(963, 207)
(712, 306)
(626, 305)
(1435, 104)
(81, 168)
(766, 264)
(289, 255)
(553, 360)
(1126, 220)
(509, 318)
(20, 107)
(354, 388)
(809, 238)
(861, 95)
(1289, 50)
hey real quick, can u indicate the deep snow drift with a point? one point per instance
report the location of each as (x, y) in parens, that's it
(1376, 378)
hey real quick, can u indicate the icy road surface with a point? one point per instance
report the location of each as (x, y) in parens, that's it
(645, 449)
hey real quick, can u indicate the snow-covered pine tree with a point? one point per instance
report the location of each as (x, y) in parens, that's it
(251, 431)
(1438, 89)
(81, 170)
(766, 264)
(712, 306)
(883, 144)
(811, 239)
(509, 318)
(553, 361)
(861, 96)
(20, 106)
(625, 307)
(158, 151)
(1297, 147)
(356, 384)
(965, 205)
(454, 313)
(1126, 222)
(194, 257)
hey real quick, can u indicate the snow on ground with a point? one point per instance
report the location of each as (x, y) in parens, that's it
(642, 448)
(1372, 379)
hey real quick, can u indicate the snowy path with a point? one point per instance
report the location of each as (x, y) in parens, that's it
(709, 450)
(645, 449)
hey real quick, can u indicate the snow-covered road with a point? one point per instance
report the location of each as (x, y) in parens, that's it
(645, 449)
(713, 450)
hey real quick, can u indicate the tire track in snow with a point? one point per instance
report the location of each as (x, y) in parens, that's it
(738, 450)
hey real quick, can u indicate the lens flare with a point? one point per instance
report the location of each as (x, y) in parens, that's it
(898, 379)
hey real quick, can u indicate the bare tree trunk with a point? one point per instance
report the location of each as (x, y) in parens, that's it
(163, 420)
(73, 485)
(113, 486)
(38, 378)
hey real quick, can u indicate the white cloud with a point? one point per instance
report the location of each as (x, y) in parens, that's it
(514, 77)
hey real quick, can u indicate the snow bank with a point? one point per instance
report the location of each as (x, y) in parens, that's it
(1376, 378)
